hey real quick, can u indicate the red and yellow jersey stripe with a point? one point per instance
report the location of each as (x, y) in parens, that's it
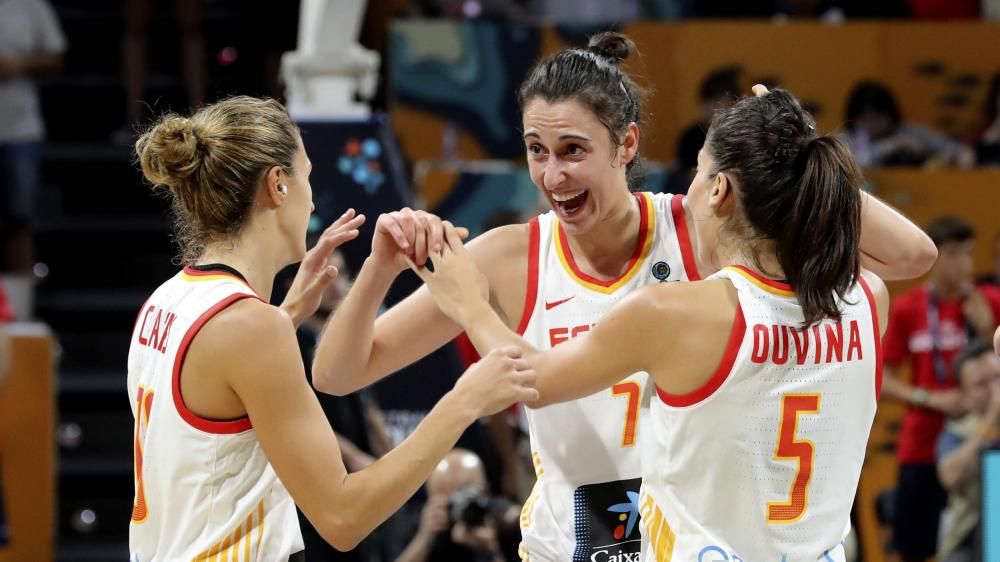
(647, 228)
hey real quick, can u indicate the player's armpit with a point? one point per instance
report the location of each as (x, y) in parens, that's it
(254, 346)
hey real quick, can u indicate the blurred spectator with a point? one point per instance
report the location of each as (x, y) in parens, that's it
(987, 140)
(991, 10)
(31, 45)
(878, 136)
(460, 521)
(944, 9)
(135, 63)
(928, 326)
(729, 8)
(472, 9)
(719, 90)
(959, 446)
(589, 11)
(355, 418)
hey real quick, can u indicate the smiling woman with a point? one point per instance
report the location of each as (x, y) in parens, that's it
(764, 377)
(551, 279)
(581, 118)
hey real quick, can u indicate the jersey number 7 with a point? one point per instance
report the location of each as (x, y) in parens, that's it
(634, 393)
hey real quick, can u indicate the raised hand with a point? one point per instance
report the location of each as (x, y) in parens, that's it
(496, 381)
(315, 274)
(407, 233)
(456, 284)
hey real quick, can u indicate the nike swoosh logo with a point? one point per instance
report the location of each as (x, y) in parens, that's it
(551, 305)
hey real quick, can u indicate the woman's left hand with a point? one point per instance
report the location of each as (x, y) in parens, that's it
(315, 273)
(457, 285)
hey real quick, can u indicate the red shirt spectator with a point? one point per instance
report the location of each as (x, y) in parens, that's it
(929, 326)
(932, 353)
(6, 314)
(944, 9)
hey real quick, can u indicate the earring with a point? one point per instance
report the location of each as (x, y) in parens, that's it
(283, 189)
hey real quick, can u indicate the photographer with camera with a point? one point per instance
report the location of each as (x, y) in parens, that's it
(461, 521)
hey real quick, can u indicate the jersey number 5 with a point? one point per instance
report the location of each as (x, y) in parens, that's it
(632, 390)
(800, 450)
(143, 403)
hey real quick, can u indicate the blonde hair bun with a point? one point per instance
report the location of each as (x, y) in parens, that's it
(171, 151)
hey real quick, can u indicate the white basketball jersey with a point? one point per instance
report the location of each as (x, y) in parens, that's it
(762, 462)
(584, 505)
(204, 489)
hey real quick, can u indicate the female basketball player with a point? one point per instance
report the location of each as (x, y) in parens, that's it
(766, 374)
(227, 430)
(553, 278)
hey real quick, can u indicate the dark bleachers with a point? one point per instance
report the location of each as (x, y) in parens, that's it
(106, 241)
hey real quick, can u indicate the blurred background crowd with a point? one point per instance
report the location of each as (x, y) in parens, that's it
(912, 86)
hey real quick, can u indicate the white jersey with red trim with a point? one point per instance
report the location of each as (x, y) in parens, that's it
(762, 462)
(203, 488)
(584, 505)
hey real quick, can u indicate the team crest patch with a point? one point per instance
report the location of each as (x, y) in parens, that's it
(661, 270)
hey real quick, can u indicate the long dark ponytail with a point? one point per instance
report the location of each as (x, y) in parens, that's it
(799, 190)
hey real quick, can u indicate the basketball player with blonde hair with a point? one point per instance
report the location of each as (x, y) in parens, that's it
(227, 431)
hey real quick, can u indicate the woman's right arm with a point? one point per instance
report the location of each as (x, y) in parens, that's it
(356, 350)
(254, 345)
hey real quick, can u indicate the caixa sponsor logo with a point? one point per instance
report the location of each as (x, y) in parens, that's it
(616, 555)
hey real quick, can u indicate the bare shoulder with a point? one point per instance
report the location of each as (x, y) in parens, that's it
(246, 321)
(683, 301)
(244, 334)
(689, 326)
(246, 347)
(501, 243)
(502, 255)
(686, 311)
